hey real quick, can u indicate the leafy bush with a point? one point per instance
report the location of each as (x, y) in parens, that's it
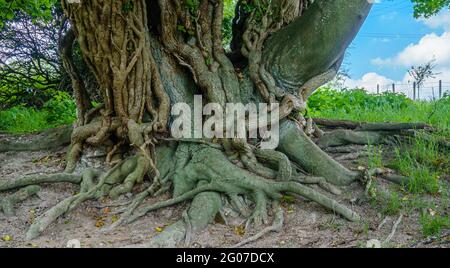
(327, 99)
(59, 110)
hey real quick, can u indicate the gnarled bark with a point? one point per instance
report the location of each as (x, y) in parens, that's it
(142, 72)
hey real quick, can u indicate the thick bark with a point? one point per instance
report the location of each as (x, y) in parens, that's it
(308, 52)
(141, 75)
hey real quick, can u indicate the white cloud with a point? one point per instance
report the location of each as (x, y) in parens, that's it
(441, 20)
(369, 82)
(431, 46)
(429, 90)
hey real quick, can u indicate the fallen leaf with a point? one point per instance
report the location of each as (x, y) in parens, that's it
(114, 218)
(239, 230)
(159, 229)
(7, 238)
(99, 224)
(290, 210)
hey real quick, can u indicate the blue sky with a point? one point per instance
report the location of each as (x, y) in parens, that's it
(392, 40)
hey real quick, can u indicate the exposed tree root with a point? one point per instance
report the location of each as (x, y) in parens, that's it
(394, 229)
(364, 126)
(345, 137)
(276, 226)
(202, 212)
(39, 179)
(361, 133)
(301, 150)
(46, 140)
(204, 167)
(119, 180)
(197, 172)
(8, 203)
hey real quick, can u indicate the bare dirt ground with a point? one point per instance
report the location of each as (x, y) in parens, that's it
(306, 223)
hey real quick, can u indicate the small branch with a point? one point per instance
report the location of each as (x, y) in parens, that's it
(394, 229)
(276, 226)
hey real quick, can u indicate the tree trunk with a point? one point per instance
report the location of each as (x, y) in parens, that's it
(143, 65)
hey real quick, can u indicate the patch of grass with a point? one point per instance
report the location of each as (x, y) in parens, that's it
(423, 163)
(358, 105)
(433, 225)
(387, 202)
(22, 120)
(60, 110)
(375, 157)
(392, 204)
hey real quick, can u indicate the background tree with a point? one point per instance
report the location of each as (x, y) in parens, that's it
(423, 72)
(31, 61)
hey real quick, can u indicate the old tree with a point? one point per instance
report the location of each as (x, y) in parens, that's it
(148, 55)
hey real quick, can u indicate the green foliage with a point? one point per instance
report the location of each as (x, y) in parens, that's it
(423, 162)
(227, 23)
(391, 203)
(375, 157)
(22, 120)
(387, 202)
(192, 6)
(427, 8)
(60, 110)
(359, 105)
(36, 8)
(433, 225)
(128, 6)
(327, 99)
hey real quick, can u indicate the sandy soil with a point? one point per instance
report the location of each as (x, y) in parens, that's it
(306, 223)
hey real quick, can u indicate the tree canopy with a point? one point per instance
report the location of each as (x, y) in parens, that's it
(427, 8)
(42, 8)
(35, 8)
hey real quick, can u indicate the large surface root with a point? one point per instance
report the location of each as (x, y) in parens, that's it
(46, 140)
(8, 203)
(200, 173)
(301, 150)
(94, 184)
(39, 179)
(205, 171)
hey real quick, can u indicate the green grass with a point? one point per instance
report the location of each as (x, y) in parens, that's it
(22, 120)
(375, 157)
(392, 204)
(423, 162)
(433, 225)
(419, 158)
(60, 110)
(359, 105)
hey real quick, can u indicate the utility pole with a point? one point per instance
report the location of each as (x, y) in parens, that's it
(414, 91)
(440, 89)
(393, 88)
(378, 88)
